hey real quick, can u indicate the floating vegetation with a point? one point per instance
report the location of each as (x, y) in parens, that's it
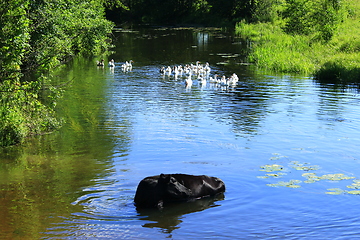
(335, 191)
(338, 191)
(277, 171)
(274, 175)
(303, 166)
(311, 177)
(291, 184)
(354, 192)
(271, 168)
(336, 177)
(355, 184)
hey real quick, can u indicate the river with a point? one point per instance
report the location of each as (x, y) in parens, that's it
(287, 148)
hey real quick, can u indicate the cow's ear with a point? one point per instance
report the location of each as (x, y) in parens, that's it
(176, 190)
(164, 178)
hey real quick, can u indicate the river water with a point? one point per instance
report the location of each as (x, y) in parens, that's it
(287, 148)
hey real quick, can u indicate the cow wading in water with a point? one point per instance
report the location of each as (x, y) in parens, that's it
(156, 191)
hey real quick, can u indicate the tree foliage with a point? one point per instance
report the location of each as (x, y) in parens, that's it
(319, 17)
(36, 36)
(14, 37)
(213, 12)
(308, 17)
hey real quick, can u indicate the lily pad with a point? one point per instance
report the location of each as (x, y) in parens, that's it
(354, 192)
(355, 184)
(336, 177)
(290, 184)
(271, 168)
(304, 166)
(311, 177)
(274, 175)
(335, 191)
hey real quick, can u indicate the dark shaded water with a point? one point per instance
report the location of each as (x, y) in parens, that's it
(285, 146)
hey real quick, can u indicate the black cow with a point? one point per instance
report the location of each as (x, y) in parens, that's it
(155, 191)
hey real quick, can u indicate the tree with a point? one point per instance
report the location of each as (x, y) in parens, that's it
(318, 17)
(36, 36)
(14, 36)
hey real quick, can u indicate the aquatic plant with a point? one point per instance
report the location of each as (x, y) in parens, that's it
(335, 191)
(271, 168)
(355, 185)
(274, 175)
(277, 171)
(312, 177)
(303, 166)
(291, 184)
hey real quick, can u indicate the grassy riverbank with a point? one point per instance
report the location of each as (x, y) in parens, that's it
(335, 59)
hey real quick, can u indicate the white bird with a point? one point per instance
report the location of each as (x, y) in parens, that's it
(202, 81)
(214, 79)
(188, 81)
(188, 70)
(162, 70)
(233, 79)
(111, 63)
(195, 68)
(207, 68)
(127, 66)
(176, 71)
(224, 81)
(168, 70)
(100, 63)
(180, 69)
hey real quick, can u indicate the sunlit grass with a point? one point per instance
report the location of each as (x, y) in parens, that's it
(338, 59)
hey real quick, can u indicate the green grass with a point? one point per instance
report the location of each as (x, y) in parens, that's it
(338, 59)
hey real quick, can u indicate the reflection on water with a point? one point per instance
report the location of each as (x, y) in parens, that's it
(170, 217)
(120, 127)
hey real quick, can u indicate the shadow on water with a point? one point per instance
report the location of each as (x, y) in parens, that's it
(168, 218)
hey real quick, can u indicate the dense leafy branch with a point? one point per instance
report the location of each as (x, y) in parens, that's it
(35, 37)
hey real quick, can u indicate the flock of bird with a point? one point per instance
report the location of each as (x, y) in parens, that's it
(200, 72)
(189, 71)
(126, 67)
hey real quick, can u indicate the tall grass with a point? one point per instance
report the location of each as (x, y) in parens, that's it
(338, 59)
(274, 50)
(343, 67)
